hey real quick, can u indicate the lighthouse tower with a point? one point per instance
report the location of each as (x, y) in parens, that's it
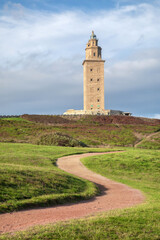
(93, 76)
(93, 83)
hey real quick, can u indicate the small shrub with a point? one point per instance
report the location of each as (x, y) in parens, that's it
(59, 139)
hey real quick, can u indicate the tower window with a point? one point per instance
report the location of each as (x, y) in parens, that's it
(97, 89)
(94, 54)
(98, 80)
(91, 79)
(91, 69)
(98, 100)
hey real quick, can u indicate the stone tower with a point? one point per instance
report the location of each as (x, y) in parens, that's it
(93, 83)
(93, 76)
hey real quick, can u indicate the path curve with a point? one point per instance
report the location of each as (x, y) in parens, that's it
(113, 196)
(147, 137)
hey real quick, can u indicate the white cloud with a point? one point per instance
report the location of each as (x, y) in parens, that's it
(135, 73)
(42, 52)
(157, 116)
(66, 33)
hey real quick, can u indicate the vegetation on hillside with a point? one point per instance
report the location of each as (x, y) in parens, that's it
(89, 130)
(59, 139)
(150, 142)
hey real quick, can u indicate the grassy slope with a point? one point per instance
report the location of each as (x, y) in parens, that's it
(29, 177)
(137, 168)
(90, 131)
(151, 142)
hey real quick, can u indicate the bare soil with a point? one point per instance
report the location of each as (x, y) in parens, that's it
(113, 196)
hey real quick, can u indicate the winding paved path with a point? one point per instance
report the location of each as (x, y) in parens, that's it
(113, 196)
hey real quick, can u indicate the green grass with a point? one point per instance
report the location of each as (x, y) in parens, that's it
(152, 142)
(17, 119)
(30, 178)
(88, 131)
(17, 130)
(135, 167)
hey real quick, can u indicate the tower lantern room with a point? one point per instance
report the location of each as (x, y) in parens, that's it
(93, 51)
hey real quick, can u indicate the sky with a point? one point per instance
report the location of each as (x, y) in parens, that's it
(42, 47)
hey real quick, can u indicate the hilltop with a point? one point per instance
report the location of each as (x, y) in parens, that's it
(82, 130)
(55, 119)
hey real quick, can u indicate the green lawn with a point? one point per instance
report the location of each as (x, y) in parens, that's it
(135, 167)
(150, 144)
(30, 178)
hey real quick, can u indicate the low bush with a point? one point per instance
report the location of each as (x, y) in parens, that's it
(59, 139)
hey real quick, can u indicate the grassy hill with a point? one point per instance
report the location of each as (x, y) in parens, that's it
(81, 131)
(29, 177)
(135, 167)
